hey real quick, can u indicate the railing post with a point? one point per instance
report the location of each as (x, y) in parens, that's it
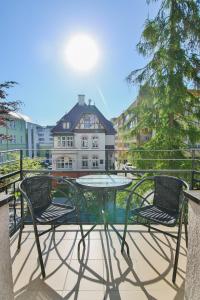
(106, 162)
(21, 177)
(21, 163)
(193, 159)
(193, 168)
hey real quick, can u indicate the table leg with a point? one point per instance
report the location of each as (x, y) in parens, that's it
(103, 211)
(121, 237)
(85, 235)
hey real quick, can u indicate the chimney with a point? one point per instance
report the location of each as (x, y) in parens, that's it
(81, 99)
(89, 102)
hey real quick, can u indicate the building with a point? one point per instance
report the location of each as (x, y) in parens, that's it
(15, 131)
(83, 139)
(123, 125)
(39, 140)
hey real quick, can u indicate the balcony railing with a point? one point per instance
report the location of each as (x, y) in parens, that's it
(15, 165)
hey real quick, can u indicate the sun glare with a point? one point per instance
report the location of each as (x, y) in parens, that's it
(82, 52)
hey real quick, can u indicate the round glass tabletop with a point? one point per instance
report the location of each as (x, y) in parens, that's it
(103, 181)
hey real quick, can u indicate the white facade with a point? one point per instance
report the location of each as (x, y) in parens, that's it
(84, 144)
(87, 151)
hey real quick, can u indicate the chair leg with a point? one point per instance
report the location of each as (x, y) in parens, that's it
(39, 250)
(20, 235)
(125, 228)
(149, 227)
(124, 237)
(177, 248)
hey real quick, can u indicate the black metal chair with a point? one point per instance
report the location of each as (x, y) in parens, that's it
(39, 193)
(163, 205)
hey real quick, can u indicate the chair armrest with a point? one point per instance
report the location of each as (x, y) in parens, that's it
(133, 192)
(61, 205)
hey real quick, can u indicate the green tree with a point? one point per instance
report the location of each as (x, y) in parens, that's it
(171, 42)
(6, 105)
(14, 165)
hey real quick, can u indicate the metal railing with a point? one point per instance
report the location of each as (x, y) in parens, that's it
(15, 165)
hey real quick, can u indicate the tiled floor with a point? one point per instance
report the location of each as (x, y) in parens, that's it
(101, 271)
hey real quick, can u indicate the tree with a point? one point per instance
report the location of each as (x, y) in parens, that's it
(6, 105)
(171, 41)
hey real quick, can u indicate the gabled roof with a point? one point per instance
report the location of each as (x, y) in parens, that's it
(75, 114)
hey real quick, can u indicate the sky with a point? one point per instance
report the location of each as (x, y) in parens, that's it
(34, 36)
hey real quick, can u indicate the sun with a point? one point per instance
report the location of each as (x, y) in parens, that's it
(82, 52)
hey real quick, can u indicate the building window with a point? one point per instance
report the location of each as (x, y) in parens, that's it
(68, 163)
(95, 161)
(21, 139)
(41, 139)
(65, 141)
(65, 125)
(13, 139)
(89, 121)
(12, 124)
(64, 163)
(59, 141)
(84, 162)
(84, 142)
(95, 143)
(70, 140)
(60, 163)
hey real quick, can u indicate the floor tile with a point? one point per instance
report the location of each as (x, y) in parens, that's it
(87, 276)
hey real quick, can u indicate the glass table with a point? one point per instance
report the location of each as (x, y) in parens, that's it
(102, 184)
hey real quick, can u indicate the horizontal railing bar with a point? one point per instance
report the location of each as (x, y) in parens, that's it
(9, 161)
(9, 175)
(109, 171)
(105, 149)
(10, 183)
(167, 159)
(12, 150)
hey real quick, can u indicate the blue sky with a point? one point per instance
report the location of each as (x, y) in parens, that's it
(34, 35)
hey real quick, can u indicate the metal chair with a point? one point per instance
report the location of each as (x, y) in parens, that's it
(39, 192)
(163, 205)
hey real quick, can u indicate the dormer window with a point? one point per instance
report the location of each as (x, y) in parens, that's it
(65, 125)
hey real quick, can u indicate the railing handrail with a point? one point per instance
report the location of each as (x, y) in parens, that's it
(103, 149)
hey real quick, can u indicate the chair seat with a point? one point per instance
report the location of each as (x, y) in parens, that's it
(155, 214)
(53, 212)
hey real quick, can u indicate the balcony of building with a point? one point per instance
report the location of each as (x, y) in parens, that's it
(100, 270)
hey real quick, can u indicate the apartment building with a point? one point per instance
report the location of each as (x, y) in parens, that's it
(15, 132)
(39, 140)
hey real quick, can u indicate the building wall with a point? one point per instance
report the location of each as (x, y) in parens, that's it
(39, 140)
(110, 140)
(16, 128)
(77, 152)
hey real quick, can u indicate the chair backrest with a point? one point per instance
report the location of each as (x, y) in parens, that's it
(38, 190)
(168, 192)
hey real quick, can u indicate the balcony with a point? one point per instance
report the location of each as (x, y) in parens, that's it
(101, 271)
